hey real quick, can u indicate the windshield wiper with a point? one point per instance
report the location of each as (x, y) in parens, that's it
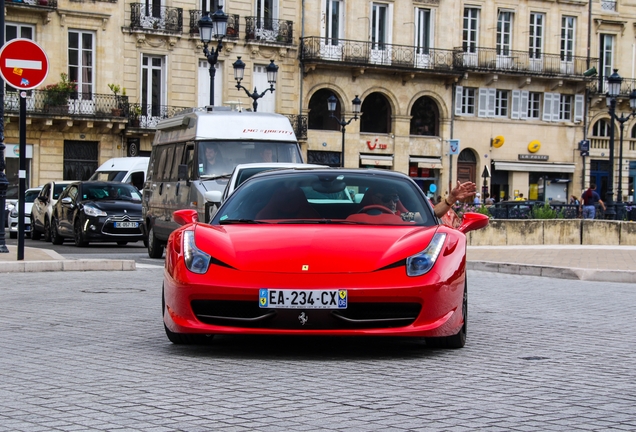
(215, 176)
(239, 221)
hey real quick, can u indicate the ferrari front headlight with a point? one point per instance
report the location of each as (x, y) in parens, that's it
(196, 260)
(421, 263)
(94, 211)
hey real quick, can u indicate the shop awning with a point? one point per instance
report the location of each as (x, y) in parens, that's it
(422, 162)
(534, 167)
(376, 160)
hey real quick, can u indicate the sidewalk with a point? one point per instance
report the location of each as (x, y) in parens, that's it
(38, 260)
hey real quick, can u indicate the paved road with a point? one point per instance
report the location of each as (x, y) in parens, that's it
(86, 351)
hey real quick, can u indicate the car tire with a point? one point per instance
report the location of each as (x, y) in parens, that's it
(35, 234)
(47, 230)
(13, 235)
(56, 238)
(180, 338)
(155, 248)
(78, 234)
(458, 340)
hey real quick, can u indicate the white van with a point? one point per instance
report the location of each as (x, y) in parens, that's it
(196, 152)
(124, 169)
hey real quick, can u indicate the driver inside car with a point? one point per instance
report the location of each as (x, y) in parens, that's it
(389, 198)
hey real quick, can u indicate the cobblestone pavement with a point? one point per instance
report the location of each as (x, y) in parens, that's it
(86, 351)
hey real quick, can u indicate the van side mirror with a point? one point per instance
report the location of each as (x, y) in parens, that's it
(182, 172)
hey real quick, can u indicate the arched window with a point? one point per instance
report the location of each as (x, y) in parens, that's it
(424, 117)
(634, 131)
(376, 114)
(601, 128)
(319, 117)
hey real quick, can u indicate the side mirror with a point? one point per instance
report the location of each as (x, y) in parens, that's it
(213, 196)
(67, 201)
(185, 216)
(473, 221)
(182, 172)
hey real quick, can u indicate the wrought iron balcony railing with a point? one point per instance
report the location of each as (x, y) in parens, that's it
(232, 31)
(68, 104)
(369, 53)
(598, 86)
(43, 3)
(154, 17)
(299, 123)
(269, 30)
(521, 62)
(147, 116)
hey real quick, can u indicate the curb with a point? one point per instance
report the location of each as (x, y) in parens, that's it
(621, 276)
(67, 265)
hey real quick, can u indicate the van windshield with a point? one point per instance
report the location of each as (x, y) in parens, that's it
(108, 176)
(219, 158)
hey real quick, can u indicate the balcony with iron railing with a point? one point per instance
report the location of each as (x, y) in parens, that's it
(601, 144)
(233, 23)
(363, 53)
(154, 17)
(269, 30)
(521, 62)
(299, 123)
(54, 103)
(608, 5)
(146, 116)
(41, 4)
(598, 86)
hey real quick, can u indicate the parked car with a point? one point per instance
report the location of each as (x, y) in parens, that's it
(43, 207)
(271, 261)
(97, 212)
(29, 197)
(11, 198)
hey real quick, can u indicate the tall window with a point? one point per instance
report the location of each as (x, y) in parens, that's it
(266, 11)
(568, 25)
(470, 30)
(535, 43)
(379, 26)
(319, 116)
(424, 117)
(376, 114)
(601, 128)
(152, 86)
(501, 103)
(504, 33)
(534, 105)
(15, 31)
(268, 102)
(334, 21)
(423, 31)
(465, 100)
(565, 108)
(81, 52)
(606, 55)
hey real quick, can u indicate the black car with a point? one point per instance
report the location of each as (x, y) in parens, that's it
(97, 211)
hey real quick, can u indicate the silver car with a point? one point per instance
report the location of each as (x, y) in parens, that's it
(43, 207)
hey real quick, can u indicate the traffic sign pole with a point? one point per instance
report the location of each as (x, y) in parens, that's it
(22, 177)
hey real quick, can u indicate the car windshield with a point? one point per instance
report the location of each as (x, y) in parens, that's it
(122, 191)
(321, 196)
(30, 195)
(58, 189)
(220, 158)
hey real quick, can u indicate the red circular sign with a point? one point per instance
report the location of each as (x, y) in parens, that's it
(23, 64)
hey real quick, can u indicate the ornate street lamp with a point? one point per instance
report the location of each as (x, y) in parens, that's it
(239, 73)
(613, 90)
(210, 28)
(331, 107)
(621, 121)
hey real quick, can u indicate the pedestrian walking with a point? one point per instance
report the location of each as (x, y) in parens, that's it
(590, 199)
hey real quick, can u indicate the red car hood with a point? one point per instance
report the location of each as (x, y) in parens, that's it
(323, 248)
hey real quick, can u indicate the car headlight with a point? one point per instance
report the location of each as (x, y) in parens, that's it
(93, 211)
(196, 260)
(14, 212)
(421, 263)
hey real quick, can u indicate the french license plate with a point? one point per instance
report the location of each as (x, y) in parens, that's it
(302, 299)
(126, 224)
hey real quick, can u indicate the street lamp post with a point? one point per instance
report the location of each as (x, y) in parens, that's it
(613, 90)
(621, 121)
(209, 28)
(239, 72)
(331, 107)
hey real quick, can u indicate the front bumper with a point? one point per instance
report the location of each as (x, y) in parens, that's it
(104, 228)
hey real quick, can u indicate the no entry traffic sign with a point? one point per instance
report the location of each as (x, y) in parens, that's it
(23, 64)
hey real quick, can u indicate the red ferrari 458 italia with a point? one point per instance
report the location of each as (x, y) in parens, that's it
(320, 252)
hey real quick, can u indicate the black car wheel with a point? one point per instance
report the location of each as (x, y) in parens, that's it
(56, 238)
(155, 248)
(180, 338)
(47, 230)
(78, 234)
(35, 234)
(458, 340)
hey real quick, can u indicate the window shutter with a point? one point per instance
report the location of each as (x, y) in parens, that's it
(556, 105)
(516, 101)
(547, 106)
(483, 103)
(492, 94)
(459, 91)
(523, 105)
(578, 107)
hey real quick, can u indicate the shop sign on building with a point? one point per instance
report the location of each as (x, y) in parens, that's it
(534, 157)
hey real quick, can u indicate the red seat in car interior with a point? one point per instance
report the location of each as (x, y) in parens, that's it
(288, 204)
